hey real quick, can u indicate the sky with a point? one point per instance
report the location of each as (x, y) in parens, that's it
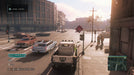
(83, 8)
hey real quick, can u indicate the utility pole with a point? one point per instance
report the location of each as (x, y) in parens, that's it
(7, 32)
(92, 24)
(83, 43)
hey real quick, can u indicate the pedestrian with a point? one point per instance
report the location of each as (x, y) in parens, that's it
(75, 49)
(102, 39)
(98, 39)
(95, 36)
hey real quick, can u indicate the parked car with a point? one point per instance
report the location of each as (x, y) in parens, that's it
(26, 42)
(42, 34)
(63, 30)
(39, 41)
(44, 46)
(19, 35)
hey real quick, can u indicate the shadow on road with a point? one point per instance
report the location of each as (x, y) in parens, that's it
(99, 47)
(59, 71)
(117, 73)
(31, 57)
(88, 45)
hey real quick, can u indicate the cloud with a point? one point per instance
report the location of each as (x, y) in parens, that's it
(102, 10)
(99, 2)
(102, 14)
(70, 12)
(102, 7)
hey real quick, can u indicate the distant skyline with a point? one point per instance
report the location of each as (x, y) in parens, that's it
(82, 8)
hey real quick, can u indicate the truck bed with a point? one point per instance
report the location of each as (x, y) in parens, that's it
(65, 52)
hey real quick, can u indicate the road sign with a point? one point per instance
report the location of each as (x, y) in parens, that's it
(79, 29)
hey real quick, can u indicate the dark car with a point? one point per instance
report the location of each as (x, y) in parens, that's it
(19, 35)
(42, 34)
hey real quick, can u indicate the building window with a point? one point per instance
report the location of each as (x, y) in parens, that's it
(124, 40)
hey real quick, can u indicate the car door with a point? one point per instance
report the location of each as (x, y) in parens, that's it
(31, 41)
(51, 45)
(48, 46)
(54, 44)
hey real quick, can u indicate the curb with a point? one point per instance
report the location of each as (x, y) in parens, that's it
(80, 63)
(80, 66)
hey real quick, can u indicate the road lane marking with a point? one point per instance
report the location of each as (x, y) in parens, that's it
(49, 71)
(12, 59)
(27, 51)
(87, 57)
(56, 48)
(8, 47)
(27, 48)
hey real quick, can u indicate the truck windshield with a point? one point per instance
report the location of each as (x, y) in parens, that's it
(65, 45)
(41, 44)
(25, 39)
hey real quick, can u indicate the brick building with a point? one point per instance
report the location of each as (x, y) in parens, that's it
(122, 29)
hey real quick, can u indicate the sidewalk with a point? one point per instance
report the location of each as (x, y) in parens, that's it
(94, 62)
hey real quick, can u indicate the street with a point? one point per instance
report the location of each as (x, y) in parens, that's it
(37, 64)
(40, 64)
(62, 37)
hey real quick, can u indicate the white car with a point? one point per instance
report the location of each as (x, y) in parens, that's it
(43, 47)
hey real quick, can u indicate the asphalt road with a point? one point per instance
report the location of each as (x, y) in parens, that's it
(36, 64)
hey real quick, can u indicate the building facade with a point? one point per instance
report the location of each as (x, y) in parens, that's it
(122, 29)
(38, 15)
(61, 20)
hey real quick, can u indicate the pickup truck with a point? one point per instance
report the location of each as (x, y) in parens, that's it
(26, 42)
(44, 46)
(65, 55)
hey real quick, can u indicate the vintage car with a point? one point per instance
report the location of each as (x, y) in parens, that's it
(26, 42)
(43, 46)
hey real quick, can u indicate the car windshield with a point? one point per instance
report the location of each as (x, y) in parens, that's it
(41, 44)
(25, 39)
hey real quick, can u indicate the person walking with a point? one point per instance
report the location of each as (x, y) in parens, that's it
(98, 39)
(102, 39)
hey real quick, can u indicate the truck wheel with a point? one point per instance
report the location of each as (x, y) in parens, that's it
(74, 67)
(54, 67)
